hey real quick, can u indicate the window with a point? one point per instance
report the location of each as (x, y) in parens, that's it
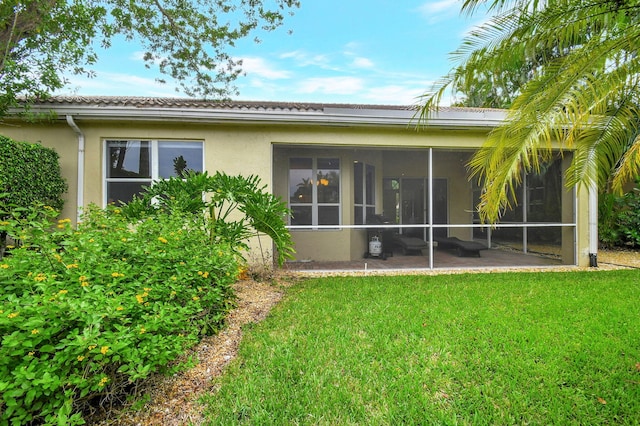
(314, 191)
(364, 200)
(133, 164)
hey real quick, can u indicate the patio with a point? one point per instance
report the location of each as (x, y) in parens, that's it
(443, 259)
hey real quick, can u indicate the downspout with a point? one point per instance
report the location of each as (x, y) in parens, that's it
(593, 226)
(80, 190)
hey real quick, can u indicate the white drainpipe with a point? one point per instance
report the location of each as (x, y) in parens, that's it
(80, 196)
(593, 226)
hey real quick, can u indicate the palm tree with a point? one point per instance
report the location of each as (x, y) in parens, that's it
(583, 93)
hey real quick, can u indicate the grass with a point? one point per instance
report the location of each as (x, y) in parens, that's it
(508, 348)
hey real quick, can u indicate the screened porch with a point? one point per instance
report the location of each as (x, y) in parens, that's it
(392, 208)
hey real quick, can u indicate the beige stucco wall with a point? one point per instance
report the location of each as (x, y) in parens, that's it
(249, 149)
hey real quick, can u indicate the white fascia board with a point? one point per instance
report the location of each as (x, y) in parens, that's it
(328, 117)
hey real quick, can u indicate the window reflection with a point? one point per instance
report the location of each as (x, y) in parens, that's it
(129, 159)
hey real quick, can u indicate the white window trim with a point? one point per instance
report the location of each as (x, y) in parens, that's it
(155, 168)
(365, 205)
(314, 191)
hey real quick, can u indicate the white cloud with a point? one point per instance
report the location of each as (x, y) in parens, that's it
(117, 84)
(362, 63)
(393, 94)
(436, 11)
(304, 59)
(259, 67)
(331, 85)
(352, 47)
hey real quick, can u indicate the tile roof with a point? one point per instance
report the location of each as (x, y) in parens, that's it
(260, 112)
(152, 102)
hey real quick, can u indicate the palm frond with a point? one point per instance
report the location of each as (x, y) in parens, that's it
(582, 93)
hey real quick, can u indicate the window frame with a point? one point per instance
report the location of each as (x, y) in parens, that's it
(366, 190)
(154, 162)
(315, 204)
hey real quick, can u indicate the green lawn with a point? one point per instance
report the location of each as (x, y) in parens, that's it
(501, 348)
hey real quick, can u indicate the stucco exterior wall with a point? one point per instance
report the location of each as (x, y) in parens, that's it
(262, 149)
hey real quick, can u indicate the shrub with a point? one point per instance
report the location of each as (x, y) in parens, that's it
(88, 312)
(28, 173)
(234, 208)
(619, 219)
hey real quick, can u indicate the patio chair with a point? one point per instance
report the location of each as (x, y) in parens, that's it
(463, 248)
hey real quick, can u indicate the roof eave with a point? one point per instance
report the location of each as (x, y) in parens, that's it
(328, 116)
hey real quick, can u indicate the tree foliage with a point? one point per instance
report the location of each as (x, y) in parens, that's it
(582, 92)
(41, 40)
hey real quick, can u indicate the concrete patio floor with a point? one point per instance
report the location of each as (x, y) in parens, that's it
(443, 259)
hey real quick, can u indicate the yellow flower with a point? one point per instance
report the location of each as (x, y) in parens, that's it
(72, 265)
(200, 272)
(103, 381)
(147, 289)
(40, 277)
(116, 274)
(35, 331)
(31, 353)
(4, 266)
(142, 330)
(13, 314)
(163, 240)
(63, 292)
(84, 284)
(195, 298)
(117, 211)
(60, 226)
(174, 278)
(139, 298)
(124, 240)
(4, 223)
(119, 308)
(92, 347)
(205, 275)
(104, 350)
(173, 293)
(182, 263)
(91, 240)
(80, 358)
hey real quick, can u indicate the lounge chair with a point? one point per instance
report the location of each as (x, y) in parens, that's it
(463, 248)
(410, 244)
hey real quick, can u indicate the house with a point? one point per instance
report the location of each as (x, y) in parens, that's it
(349, 173)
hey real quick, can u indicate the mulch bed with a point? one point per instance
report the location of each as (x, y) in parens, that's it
(173, 401)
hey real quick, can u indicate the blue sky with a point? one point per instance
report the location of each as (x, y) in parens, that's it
(338, 51)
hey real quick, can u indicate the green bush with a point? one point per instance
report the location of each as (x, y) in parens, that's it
(234, 208)
(29, 173)
(619, 219)
(86, 312)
